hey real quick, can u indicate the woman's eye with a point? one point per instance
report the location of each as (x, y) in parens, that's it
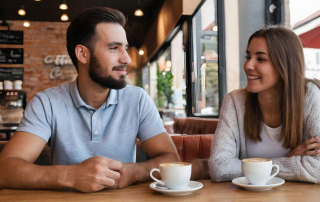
(247, 57)
(261, 59)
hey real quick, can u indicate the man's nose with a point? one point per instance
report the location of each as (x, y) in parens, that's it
(125, 58)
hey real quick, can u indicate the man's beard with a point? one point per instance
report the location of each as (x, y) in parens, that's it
(107, 82)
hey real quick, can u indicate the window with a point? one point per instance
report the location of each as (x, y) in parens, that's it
(167, 81)
(205, 71)
(304, 21)
(190, 54)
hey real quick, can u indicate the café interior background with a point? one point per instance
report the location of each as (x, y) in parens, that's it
(46, 63)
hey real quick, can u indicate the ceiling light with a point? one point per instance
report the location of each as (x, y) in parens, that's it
(37, 0)
(21, 11)
(64, 17)
(26, 23)
(63, 5)
(141, 52)
(138, 12)
(215, 28)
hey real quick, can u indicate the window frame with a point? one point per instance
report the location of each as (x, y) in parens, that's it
(221, 59)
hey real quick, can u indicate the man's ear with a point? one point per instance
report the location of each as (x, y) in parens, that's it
(82, 54)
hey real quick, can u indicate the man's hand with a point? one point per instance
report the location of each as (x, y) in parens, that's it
(127, 175)
(160, 149)
(94, 174)
(309, 147)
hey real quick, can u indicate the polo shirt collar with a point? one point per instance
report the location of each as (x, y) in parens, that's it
(112, 98)
(75, 94)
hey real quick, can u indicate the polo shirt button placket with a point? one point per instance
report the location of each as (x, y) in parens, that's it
(95, 130)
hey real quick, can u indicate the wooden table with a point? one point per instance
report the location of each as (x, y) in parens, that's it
(226, 191)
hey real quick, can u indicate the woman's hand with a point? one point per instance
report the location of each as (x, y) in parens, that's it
(309, 147)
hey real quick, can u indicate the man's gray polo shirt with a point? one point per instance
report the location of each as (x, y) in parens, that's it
(78, 131)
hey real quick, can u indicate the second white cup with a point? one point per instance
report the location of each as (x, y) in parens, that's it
(258, 170)
(174, 175)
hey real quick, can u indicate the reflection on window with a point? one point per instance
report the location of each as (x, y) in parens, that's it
(167, 85)
(205, 83)
(146, 78)
(164, 80)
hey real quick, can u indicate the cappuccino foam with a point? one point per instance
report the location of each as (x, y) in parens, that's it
(174, 164)
(256, 160)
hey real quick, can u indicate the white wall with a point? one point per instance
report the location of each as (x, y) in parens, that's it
(232, 44)
(242, 18)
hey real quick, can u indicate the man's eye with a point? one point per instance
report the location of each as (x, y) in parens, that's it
(247, 57)
(114, 48)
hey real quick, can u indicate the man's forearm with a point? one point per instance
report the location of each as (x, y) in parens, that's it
(200, 169)
(20, 174)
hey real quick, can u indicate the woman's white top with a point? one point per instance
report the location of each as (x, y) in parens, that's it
(269, 147)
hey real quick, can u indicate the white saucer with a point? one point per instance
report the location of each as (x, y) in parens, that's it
(243, 182)
(192, 186)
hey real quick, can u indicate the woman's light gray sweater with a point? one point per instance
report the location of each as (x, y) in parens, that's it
(228, 145)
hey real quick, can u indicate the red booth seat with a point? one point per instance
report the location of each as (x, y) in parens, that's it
(195, 125)
(191, 147)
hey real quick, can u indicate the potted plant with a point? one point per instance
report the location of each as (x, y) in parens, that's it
(164, 86)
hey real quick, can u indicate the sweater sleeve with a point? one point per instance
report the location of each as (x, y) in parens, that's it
(305, 168)
(224, 164)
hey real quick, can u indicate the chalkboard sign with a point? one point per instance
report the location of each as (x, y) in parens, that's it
(11, 37)
(11, 73)
(11, 56)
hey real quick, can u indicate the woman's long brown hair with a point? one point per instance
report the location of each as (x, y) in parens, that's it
(286, 53)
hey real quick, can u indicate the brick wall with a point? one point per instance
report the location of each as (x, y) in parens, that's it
(40, 40)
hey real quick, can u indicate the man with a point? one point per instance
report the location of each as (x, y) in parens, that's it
(93, 122)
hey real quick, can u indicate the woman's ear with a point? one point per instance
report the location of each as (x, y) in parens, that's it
(82, 54)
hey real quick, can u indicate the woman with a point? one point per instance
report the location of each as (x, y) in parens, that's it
(276, 116)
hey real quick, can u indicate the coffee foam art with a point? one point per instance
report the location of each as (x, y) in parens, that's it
(175, 164)
(256, 160)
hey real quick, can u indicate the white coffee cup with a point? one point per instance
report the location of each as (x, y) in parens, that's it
(175, 175)
(17, 85)
(7, 85)
(258, 170)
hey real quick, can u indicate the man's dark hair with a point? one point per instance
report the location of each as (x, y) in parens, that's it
(82, 30)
